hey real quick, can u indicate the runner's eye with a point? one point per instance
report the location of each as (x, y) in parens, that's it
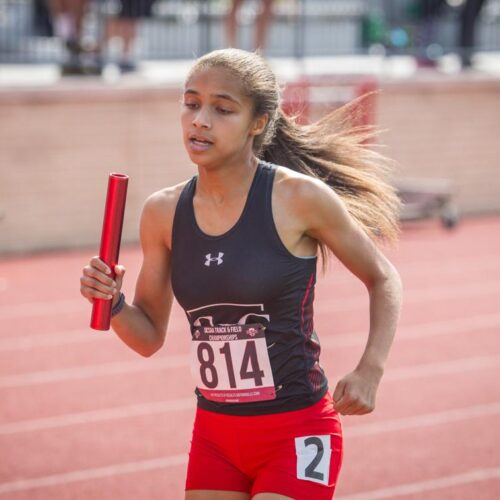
(224, 111)
(190, 105)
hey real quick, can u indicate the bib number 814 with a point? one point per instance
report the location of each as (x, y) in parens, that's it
(249, 368)
(231, 364)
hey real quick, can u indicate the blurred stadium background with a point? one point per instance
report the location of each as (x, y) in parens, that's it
(73, 402)
(61, 135)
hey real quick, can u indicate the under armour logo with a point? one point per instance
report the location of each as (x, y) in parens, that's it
(211, 259)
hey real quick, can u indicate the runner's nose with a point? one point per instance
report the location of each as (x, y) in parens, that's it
(201, 119)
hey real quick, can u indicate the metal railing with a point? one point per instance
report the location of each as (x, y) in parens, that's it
(183, 29)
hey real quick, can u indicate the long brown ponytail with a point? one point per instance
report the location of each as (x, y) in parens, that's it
(339, 153)
(332, 149)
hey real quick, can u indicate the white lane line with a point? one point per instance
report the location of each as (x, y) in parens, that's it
(56, 339)
(425, 420)
(93, 371)
(431, 369)
(451, 266)
(48, 308)
(176, 361)
(97, 473)
(51, 339)
(102, 415)
(473, 325)
(429, 485)
(53, 308)
(412, 296)
(337, 274)
(468, 324)
(167, 406)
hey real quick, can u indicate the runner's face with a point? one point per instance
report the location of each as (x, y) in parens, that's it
(217, 119)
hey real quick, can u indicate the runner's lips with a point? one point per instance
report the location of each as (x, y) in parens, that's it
(200, 138)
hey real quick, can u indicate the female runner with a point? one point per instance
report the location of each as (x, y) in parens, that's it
(237, 245)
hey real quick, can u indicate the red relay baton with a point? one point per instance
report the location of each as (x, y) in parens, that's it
(110, 243)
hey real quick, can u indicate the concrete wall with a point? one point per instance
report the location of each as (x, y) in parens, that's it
(447, 128)
(58, 145)
(57, 149)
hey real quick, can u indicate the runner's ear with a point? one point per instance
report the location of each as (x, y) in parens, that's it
(259, 124)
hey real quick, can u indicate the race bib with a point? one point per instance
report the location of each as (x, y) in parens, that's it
(230, 363)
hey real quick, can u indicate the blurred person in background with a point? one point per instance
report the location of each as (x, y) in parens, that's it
(468, 19)
(263, 22)
(67, 20)
(42, 19)
(430, 10)
(122, 27)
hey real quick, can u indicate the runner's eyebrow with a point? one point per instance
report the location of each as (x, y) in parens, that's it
(218, 96)
(226, 96)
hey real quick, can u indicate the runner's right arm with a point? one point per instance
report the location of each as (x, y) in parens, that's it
(142, 325)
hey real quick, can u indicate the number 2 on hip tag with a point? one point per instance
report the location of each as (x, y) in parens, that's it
(313, 458)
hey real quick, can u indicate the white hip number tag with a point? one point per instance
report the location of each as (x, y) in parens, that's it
(313, 458)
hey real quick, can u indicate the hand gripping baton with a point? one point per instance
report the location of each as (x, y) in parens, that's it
(110, 243)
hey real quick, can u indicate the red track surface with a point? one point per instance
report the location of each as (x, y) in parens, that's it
(84, 417)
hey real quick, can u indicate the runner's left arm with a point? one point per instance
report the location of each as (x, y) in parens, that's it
(327, 220)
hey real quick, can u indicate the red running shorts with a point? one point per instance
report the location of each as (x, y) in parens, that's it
(296, 454)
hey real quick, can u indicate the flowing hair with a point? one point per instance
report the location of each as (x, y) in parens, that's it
(333, 149)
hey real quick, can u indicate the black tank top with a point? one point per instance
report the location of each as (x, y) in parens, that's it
(248, 276)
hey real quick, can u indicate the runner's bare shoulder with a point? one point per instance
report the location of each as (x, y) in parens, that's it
(158, 212)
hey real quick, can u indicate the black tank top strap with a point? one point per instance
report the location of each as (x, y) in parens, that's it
(182, 211)
(260, 192)
(255, 216)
